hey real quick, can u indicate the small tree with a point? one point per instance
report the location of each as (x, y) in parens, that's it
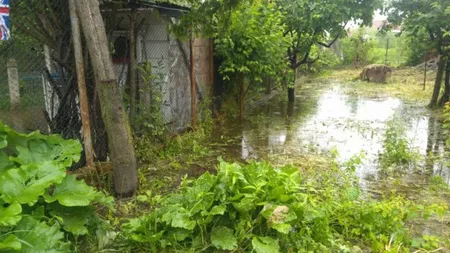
(311, 23)
(252, 46)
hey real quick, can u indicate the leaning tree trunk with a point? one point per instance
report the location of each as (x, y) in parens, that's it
(437, 84)
(116, 123)
(445, 97)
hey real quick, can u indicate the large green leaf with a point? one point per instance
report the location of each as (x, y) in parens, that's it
(10, 215)
(37, 148)
(3, 140)
(27, 183)
(265, 245)
(38, 237)
(73, 219)
(4, 162)
(223, 238)
(73, 192)
(179, 234)
(282, 228)
(10, 242)
(182, 220)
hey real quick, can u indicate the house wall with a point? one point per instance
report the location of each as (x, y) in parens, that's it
(170, 61)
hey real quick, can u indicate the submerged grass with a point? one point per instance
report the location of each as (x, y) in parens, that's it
(404, 83)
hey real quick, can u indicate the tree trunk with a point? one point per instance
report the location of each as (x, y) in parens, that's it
(132, 66)
(445, 97)
(291, 94)
(241, 95)
(291, 90)
(437, 84)
(117, 126)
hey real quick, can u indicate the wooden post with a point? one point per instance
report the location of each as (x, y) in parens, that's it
(211, 66)
(13, 83)
(132, 65)
(117, 127)
(81, 80)
(193, 90)
(14, 93)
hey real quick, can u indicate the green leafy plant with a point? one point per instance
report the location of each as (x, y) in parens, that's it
(149, 121)
(259, 208)
(40, 205)
(396, 148)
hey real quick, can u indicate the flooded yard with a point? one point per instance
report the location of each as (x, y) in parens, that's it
(326, 117)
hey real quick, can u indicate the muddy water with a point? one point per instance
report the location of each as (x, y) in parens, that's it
(326, 116)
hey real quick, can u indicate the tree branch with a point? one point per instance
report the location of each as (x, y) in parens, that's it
(334, 40)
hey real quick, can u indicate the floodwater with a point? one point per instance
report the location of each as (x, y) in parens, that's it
(326, 116)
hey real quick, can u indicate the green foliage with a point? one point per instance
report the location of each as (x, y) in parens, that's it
(149, 120)
(396, 148)
(419, 17)
(313, 23)
(40, 205)
(446, 124)
(252, 42)
(415, 47)
(356, 48)
(263, 209)
(189, 145)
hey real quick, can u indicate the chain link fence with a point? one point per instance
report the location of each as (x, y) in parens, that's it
(38, 82)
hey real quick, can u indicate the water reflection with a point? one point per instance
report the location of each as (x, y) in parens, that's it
(320, 121)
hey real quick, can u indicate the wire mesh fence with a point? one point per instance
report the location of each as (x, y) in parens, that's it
(38, 81)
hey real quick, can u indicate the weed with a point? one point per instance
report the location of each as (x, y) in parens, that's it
(396, 148)
(149, 121)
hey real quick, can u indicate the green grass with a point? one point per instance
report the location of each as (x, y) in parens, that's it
(31, 95)
(404, 83)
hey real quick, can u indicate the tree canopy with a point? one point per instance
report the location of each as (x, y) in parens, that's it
(253, 43)
(417, 16)
(321, 22)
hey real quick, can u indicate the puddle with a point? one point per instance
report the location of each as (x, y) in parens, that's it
(325, 117)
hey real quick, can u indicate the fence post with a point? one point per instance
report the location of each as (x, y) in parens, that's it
(193, 90)
(14, 93)
(81, 80)
(211, 67)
